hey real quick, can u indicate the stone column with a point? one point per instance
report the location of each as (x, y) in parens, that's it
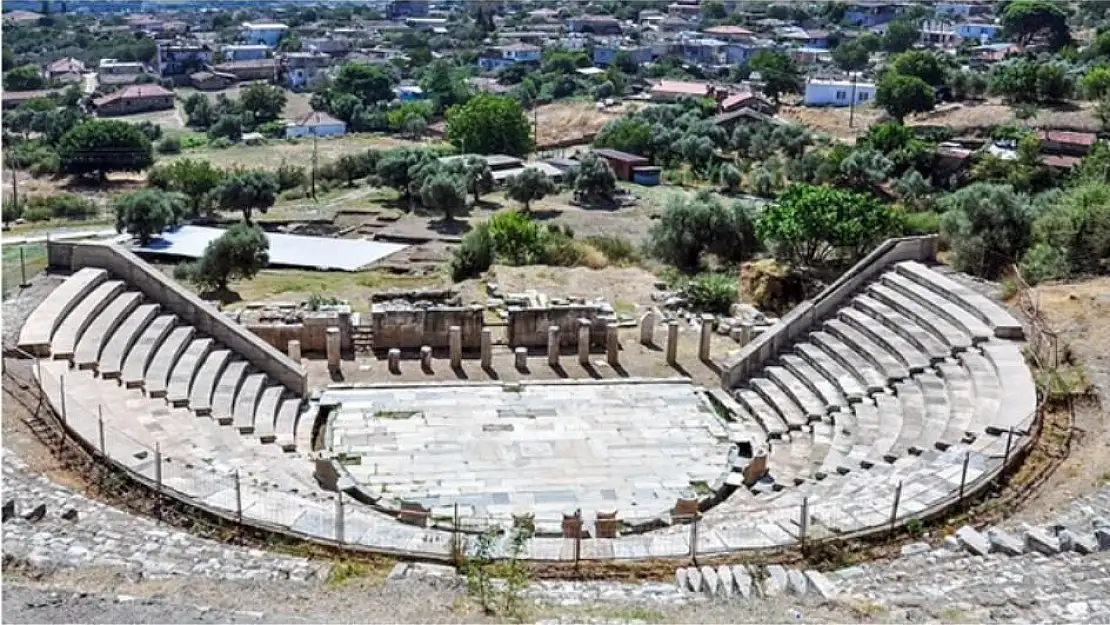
(745, 333)
(584, 341)
(454, 335)
(612, 345)
(553, 346)
(706, 335)
(333, 345)
(487, 348)
(521, 358)
(426, 357)
(294, 350)
(647, 328)
(672, 342)
(394, 359)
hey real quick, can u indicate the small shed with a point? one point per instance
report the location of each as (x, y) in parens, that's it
(647, 176)
(317, 124)
(622, 162)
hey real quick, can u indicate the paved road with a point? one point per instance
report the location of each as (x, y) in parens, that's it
(63, 234)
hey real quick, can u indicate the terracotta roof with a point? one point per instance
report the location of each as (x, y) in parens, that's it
(134, 92)
(617, 155)
(1072, 138)
(681, 87)
(68, 64)
(317, 118)
(1063, 162)
(737, 98)
(726, 30)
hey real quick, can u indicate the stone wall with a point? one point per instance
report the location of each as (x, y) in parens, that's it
(739, 366)
(414, 327)
(527, 327)
(311, 331)
(138, 274)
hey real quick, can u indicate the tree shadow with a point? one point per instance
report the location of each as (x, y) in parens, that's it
(449, 226)
(544, 215)
(223, 296)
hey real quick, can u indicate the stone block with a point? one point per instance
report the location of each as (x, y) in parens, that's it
(1005, 542)
(333, 346)
(694, 579)
(426, 357)
(1102, 536)
(572, 525)
(394, 360)
(647, 328)
(710, 581)
(584, 341)
(680, 579)
(913, 549)
(820, 585)
(1079, 542)
(705, 337)
(743, 580)
(520, 358)
(728, 586)
(796, 582)
(776, 582)
(612, 345)
(1036, 539)
(487, 348)
(553, 346)
(973, 541)
(294, 350)
(672, 342)
(606, 524)
(454, 340)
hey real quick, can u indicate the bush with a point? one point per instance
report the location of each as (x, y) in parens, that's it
(70, 206)
(711, 292)
(37, 212)
(915, 224)
(169, 145)
(517, 238)
(290, 177)
(12, 211)
(220, 143)
(692, 227)
(473, 255)
(617, 249)
(1044, 262)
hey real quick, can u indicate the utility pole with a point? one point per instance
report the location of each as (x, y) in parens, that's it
(852, 104)
(536, 125)
(314, 163)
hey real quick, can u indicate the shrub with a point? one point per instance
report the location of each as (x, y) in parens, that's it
(37, 213)
(989, 226)
(1044, 262)
(617, 249)
(473, 255)
(290, 177)
(692, 227)
(12, 211)
(914, 224)
(169, 145)
(220, 143)
(70, 206)
(711, 292)
(517, 238)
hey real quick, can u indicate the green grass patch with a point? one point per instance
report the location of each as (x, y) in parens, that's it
(343, 572)
(34, 261)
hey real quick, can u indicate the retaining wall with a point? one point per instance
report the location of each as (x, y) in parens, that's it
(412, 329)
(741, 365)
(528, 326)
(311, 332)
(74, 255)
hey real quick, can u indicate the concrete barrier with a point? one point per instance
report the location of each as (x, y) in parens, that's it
(138, 274)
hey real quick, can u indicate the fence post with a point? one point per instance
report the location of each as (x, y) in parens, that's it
(22, 270)
(963, 476)
(238, 500)
(158, 478)
(455, 534)
(578, 539)
(694, 540)
(894, 509)
(62, 385)
(339, 518)
(804, 521)
(1009, 442)
(100, 428)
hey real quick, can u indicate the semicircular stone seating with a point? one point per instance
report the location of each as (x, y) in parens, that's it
(913, 378)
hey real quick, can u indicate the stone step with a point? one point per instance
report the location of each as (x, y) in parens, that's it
(246, 402)
(223, 399)
(285, 427)
(908, 328)
(937, 411)
(38, 330)
(862, 454)
(988, 389)
(91, 344)
(1019, 397)
(739, 581)
(848, 384)
(1002, 322)
(955, 338)
(204, 385)
(157, 377)
(852, 361)
(963, 319)
(140, 355)
(907, 353)
(891, 422)
(121, 341)
(912, 403)
(185, 371)
(71, 329)
(767, 416)
(961, 403)
(812, 406)
(882, 358)
(791, 413)
(266, 413)
(825, 389)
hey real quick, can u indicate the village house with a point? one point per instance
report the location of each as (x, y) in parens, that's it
(510, 55)
(134, 99)
(260, 69)
(245, 52)
(670, 90)
(837, 92)
(178, 59)
(113, 72)
(68, 70)
(594, 24)
(316, 124)
(302, 68)
(263, 33)
(212, 81)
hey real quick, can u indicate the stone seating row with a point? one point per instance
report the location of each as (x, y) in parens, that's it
(111, 331)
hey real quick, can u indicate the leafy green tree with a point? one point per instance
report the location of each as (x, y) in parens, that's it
(195, 179)
(473, 255)
(777, 71)
(199, 112)
(1053, 83)
(625, 134)
(489, 124)
(595, 181)
(690, 228)
(989, 226)
(528, 186)
(26, 78)
(247, 191)
(901, 95)
(713, 10)
(227, 126)
(925, 65)
(730, 177)
(365, 82)
(810, 225)
(397, 167)
(263, 101)
(900, 36)
(237, 254)
(864, 169)
(99, 147)
(445, 192)
(1095, 84)
(851, 56)
(146, 213)
(444, 86)
(476, 176)
(1078, 224)
(1029, 20)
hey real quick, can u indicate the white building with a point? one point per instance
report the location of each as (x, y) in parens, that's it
(266, 34)
(316, 123)
(838, 92)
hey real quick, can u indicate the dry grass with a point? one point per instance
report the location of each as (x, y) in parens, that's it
(295, 285)
(564, 120)
(630, 285)
(271, 155)
(963, 117)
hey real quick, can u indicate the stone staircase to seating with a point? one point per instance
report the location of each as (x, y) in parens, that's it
(912, 376)
(164, 370)
(746, 582)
